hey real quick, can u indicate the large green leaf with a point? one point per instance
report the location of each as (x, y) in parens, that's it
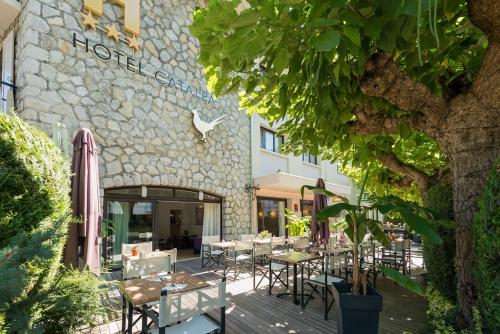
(353, 34)
(419, 225)
(327, 40)
(316, 191)
(334, 210)
(377, 231)
(403, 280)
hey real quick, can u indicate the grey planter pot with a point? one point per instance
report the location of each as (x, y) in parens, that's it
(356, 313)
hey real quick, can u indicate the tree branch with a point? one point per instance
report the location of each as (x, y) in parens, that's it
(373, 122)
(485, 14)
(383, 78)
(391, 162)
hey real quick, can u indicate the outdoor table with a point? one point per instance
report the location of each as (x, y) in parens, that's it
(293, 258)
(141, 291)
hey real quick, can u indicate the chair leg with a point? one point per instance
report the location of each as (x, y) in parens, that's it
(325, 289)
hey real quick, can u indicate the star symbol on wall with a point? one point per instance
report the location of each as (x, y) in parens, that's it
(113, 33)
(132, 43)
(89, 20)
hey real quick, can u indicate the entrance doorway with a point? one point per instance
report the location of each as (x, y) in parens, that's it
(167, 217)
(271, 215)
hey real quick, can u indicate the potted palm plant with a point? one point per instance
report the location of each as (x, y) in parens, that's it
(358, 304)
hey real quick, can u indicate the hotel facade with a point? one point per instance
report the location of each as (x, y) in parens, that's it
(127, 71)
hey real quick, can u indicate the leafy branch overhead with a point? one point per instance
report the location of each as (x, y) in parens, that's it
(334, 68)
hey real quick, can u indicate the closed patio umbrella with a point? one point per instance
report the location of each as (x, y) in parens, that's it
(320, 231)
(82, 246)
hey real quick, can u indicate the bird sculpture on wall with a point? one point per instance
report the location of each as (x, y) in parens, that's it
(204, 127)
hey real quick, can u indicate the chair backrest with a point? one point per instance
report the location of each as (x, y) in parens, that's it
(243, 245)
(301, 244)
(173, 255)
(207, 239)
(175, 307)
(141, 247)
(263, 249)
(245, 237)
(278, 241)
(147, 267)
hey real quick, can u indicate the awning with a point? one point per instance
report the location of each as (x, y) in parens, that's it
(292, 183)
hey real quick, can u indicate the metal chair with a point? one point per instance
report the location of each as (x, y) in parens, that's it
(320, 282)
(188, 312)
(212, 255)
(239, 258)
(264, 266)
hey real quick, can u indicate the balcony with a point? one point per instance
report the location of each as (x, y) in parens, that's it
(9, 9)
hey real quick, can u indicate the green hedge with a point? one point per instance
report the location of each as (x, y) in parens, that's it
(74, 301)
(34, 216)
(486, 236)
(439, 258)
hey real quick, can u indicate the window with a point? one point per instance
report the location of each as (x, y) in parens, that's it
(308, 157)
(271, 215)
(306, 207)
(270, 141)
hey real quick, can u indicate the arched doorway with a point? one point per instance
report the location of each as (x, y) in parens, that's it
(167, 217)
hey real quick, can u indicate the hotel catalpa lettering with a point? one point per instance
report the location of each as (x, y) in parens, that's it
(131, 26)
(133, 65)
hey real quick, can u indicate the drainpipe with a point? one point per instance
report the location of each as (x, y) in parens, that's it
(251, 175)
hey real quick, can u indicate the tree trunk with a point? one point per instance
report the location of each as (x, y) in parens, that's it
(471, 142)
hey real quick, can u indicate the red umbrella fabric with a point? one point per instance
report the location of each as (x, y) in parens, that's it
(82, 247)
(320, 231)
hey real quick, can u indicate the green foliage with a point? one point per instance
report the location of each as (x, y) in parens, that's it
(486, 237)
(74, 301)
(441, 273)
(297, 226)
(442, 314)
(356, 223)
(34, 216)
(306, 59)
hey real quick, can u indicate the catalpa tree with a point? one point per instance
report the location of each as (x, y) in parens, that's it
(410, 88)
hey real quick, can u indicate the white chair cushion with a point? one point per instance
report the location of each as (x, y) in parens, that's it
(277, 266)
(217, 252)
(329, 280)
(195, 325)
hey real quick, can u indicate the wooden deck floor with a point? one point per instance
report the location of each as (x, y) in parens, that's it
(254, 311)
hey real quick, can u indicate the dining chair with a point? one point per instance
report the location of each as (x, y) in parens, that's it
(278, 244)
(211, 255)
(320, 282)
(238, 258)
(261, 265)
(141, 247)
(188, 312)
(173, 257)
(301, 244)
(147, 267)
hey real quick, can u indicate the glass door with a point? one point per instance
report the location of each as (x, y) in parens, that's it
(271, 215)
(129, 222)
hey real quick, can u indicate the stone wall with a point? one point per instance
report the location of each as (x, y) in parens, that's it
(144, 130)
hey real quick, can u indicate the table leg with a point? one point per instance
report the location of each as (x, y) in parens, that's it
(124, 313)
(129, 318)
(295, 300)
(270, 277)
(144, 320)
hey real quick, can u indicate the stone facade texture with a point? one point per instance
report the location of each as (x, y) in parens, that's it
(144, 130)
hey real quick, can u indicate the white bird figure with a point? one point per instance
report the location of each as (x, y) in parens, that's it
(204, 127)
